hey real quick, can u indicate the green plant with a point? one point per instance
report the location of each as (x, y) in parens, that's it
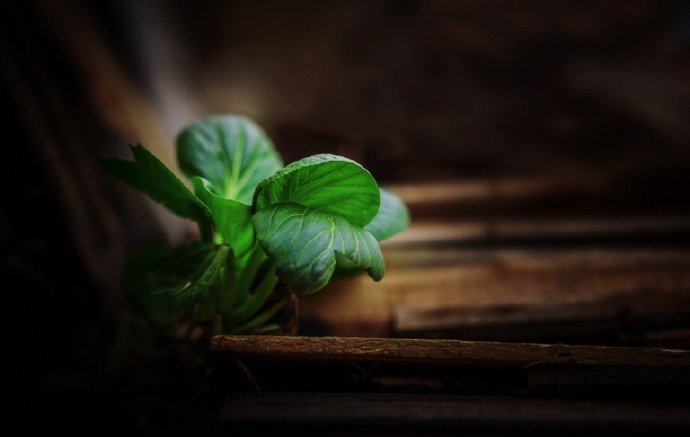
(260, 224)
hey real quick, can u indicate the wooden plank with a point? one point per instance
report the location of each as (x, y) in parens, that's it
(454, 191)
(277, 349)
(633, 380)
(403, 413)
(635, 318)
(529, 230)
(260, 363)
(639, 295)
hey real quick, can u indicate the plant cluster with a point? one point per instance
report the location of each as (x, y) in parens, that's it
(261, 224)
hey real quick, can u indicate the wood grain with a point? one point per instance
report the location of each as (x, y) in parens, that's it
(582, 294)
(278, 349)
(404, 414)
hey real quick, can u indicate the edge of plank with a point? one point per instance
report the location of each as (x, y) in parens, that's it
(438, 352)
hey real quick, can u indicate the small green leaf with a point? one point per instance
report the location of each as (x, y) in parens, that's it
(303, 242)
(163, 285)
(332, 184)
(392, 217)
(232, 153)
(149, 175)
(233, 219)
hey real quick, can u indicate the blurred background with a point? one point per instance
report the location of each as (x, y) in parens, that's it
(543, 149)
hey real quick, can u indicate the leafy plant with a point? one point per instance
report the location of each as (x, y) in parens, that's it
(260, 223)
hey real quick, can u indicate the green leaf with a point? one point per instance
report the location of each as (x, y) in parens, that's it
(303, 242)
(332, 184)
(392, 217)
(149, 175)
(232, 153)
(232, 219)
(163, 285)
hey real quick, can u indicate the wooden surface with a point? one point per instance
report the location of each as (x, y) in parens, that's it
(280, 349)
(616, 282)
(321, 364)
(373, 386)
(422, 415)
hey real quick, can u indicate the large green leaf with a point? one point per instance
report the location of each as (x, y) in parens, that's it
(163, 285)
(233, 219)
(149, 175)
(332, 184)
(232, 153)
(392, 217)
(303, 242)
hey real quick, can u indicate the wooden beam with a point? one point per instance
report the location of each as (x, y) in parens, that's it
(422, 414)
(626, 296)
(277, 349)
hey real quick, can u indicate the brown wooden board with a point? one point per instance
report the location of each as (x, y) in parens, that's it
(437, 352)
(404, 414)
(583, 294)
(270, 363)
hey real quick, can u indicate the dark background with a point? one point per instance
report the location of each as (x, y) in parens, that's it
(586, 102)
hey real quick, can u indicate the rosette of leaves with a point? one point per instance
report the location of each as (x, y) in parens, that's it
(260, 223)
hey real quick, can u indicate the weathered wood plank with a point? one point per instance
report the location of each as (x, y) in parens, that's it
(632, 318)
(276, 349)
(588, 380)
(250, 363)
(341, 413)
(487, 230)
(638, 295)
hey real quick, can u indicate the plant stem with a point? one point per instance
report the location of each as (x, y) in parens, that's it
(262, 318)
(227, 292)
(255, 301)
